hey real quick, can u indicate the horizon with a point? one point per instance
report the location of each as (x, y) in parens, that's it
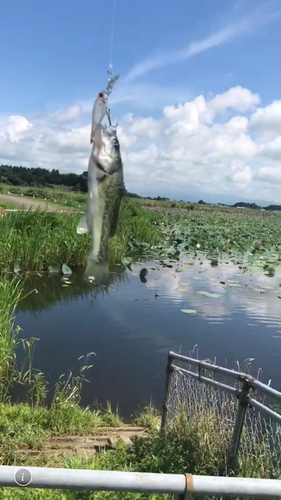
(198, 101)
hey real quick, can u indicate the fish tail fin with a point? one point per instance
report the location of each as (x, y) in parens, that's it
(82, 227)
(96, 272)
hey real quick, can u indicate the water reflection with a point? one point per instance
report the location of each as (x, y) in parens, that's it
(46, 291)
(253, 293)
(133, 324)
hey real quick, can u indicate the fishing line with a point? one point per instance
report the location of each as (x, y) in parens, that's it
(110, 67)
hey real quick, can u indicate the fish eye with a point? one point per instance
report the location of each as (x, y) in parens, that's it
(100, 94)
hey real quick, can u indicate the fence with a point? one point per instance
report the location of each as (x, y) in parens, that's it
(198, 390)
(178, 484)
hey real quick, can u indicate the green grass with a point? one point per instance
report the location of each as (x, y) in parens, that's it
(189, 445)
(36, 239)
(149, 418)
(7, 205)
(10, 293)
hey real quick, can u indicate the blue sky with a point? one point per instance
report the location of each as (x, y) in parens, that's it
(56, 51)
(56, 54)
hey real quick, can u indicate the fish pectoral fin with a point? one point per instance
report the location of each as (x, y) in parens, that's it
(82, 227)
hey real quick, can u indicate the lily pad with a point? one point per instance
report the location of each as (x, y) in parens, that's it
(197, 277)
(209, 294)
(66, 269)
(127, 261)
(234, 284)
(189, 311)
(182, 289)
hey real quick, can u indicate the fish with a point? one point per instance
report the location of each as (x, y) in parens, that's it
(105, 190)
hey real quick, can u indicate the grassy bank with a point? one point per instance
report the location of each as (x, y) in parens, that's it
(36, 240)
(7, 205)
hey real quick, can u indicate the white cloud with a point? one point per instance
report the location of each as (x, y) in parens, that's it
(272, 149)
(17, 127)
(238, 98)
(74, 139)
(68, 115)
(268, 118)
(270, 174)
(236, 123)
(241, 27)
(188, 148)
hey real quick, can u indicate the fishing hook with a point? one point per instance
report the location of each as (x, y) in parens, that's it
(109, 119)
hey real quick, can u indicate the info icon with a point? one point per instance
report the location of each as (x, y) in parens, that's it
(23, 477)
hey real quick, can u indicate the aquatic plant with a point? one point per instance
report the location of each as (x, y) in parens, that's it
(250, 240)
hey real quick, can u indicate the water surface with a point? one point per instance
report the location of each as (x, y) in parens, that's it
(134, 324)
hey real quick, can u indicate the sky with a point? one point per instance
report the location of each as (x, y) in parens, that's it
(198, 103)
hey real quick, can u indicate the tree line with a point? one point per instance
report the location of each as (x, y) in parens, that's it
(41, 177)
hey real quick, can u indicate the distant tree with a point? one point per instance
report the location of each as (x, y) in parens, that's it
(243, 204)
(273, 207)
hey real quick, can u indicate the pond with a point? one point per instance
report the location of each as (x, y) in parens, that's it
(133, 325)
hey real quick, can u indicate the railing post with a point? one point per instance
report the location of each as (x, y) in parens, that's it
(169, 371)
(239, 422)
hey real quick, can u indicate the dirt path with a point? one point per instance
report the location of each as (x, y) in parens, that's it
(27, 202)
(73, 446)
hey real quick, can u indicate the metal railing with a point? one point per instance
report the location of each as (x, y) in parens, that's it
(134, 482)
(246, 390)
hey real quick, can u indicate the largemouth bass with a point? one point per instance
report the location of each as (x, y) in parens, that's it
(105, 190)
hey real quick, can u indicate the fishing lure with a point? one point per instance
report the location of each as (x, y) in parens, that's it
(100, 107)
